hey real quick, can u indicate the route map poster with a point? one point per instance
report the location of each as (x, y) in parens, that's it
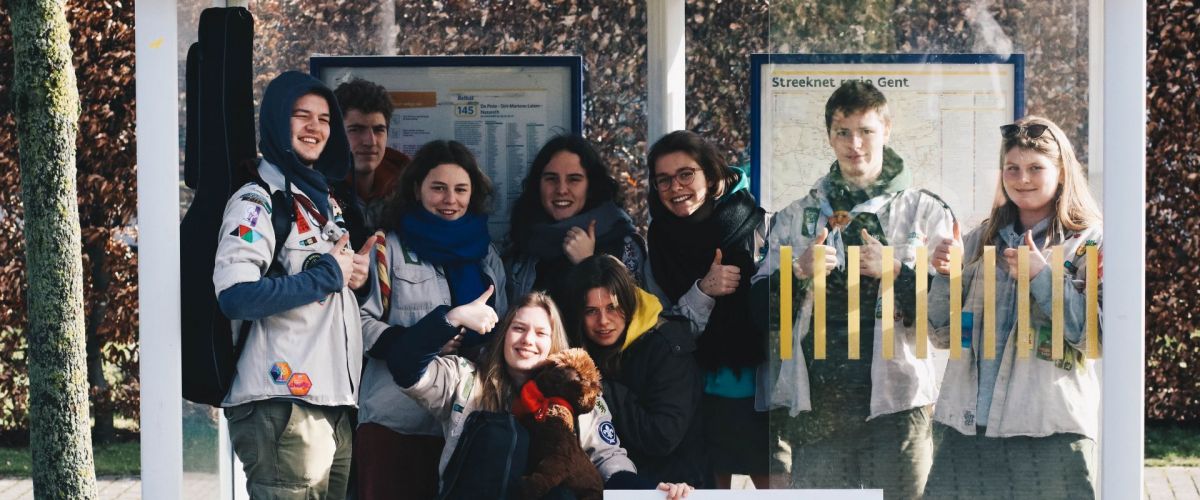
(946, 116)
(502, 108)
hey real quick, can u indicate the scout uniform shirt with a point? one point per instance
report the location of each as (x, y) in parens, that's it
(312, 352)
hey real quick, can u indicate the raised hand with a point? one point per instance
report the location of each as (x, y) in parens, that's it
(362, 263)
(941, 254)
(721, 279)
(1037, 261)
(344, 257)
(579, 244)
(802, 267)
(476, 315)
(870, 262)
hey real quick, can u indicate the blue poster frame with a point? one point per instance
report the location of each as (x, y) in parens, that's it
(759, 61)
(573, 64)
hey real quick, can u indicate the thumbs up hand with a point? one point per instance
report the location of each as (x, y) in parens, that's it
(1037, 261)
(870, 262)
(360, 264)
(802, 267)
(344, 257)
(941, 254)
(476, 315)
(721, 279)
(579, 244)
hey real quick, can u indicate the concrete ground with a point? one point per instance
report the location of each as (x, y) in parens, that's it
(1162, 483)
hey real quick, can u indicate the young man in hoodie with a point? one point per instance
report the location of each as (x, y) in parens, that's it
(368, 115)
(866, 421)
(297, 377)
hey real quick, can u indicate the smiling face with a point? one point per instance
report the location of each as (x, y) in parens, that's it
(446, 191)
(603, 319)
(310, 127)
(669, 172)
(563, 186)
(527, 340)
(858, 141)
(367, 133)
(1031, 181)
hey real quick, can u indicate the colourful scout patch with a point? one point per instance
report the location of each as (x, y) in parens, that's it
(809, 226)
(299, 384)
(280, 372)
(255, 198)
(251, 217)
(301, 222)
(311, 240)
(247, 234)
(309, 262)
(607, 432)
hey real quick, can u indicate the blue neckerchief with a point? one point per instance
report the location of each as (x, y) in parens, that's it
(458, 246)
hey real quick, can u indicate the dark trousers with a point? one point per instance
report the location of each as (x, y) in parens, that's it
(1056, 466)
(391, 465)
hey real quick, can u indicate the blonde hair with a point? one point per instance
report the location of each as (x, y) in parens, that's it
(497, 389)
(1073, 209)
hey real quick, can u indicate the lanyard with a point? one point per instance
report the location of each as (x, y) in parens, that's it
(329, 229)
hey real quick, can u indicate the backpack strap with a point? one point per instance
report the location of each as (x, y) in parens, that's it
(282, 217)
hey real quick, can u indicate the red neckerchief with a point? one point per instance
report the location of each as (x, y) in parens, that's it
(531, 401)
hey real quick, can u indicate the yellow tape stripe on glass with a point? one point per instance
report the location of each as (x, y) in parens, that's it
(852, 303)
(989, 302)
(1024, 342)
(955, 302)
(887, 296)
(922, 273)
(1093, 302)
(785, 302)
(1058, 268)
(818, 271)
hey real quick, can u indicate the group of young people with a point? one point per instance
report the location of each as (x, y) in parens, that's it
(361, 367)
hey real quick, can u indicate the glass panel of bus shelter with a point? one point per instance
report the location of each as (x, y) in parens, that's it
(928, 375)
(610, 39)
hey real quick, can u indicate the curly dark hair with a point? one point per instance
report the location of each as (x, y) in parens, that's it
(431, 155)
(365, 96)
(528, 210)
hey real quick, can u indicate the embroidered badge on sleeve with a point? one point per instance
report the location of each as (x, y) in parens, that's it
(607, 432)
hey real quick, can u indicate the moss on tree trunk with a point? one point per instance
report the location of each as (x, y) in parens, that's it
(46, 104)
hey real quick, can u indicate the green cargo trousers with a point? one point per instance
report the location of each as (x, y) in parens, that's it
(291, 450)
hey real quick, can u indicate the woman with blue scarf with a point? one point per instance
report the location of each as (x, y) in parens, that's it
(439, 262)
(705, 233)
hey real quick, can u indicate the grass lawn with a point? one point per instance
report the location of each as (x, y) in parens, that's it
(117, 459)
(1172, 445)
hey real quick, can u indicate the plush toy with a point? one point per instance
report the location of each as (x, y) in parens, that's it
(565, 385)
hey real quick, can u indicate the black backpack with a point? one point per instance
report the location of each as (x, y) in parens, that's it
(489, 460)
(219, 147)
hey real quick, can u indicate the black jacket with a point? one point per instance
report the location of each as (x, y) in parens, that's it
(655, 402)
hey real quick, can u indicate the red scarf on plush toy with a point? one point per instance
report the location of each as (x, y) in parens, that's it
(531, 401)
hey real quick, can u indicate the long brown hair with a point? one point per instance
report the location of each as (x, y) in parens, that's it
(599, 271)
(1073, 209)
(497, 389)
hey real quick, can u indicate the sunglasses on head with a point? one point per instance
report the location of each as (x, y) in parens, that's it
(1032, 130)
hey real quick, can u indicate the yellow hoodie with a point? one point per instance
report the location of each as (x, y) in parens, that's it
(644, 319)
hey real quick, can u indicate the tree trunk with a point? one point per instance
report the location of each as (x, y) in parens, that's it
(46, 105)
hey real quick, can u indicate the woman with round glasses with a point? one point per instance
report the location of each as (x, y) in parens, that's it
(1032, 418)
(704, 237)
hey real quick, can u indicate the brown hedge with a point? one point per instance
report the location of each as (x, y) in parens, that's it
(1172, 211)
